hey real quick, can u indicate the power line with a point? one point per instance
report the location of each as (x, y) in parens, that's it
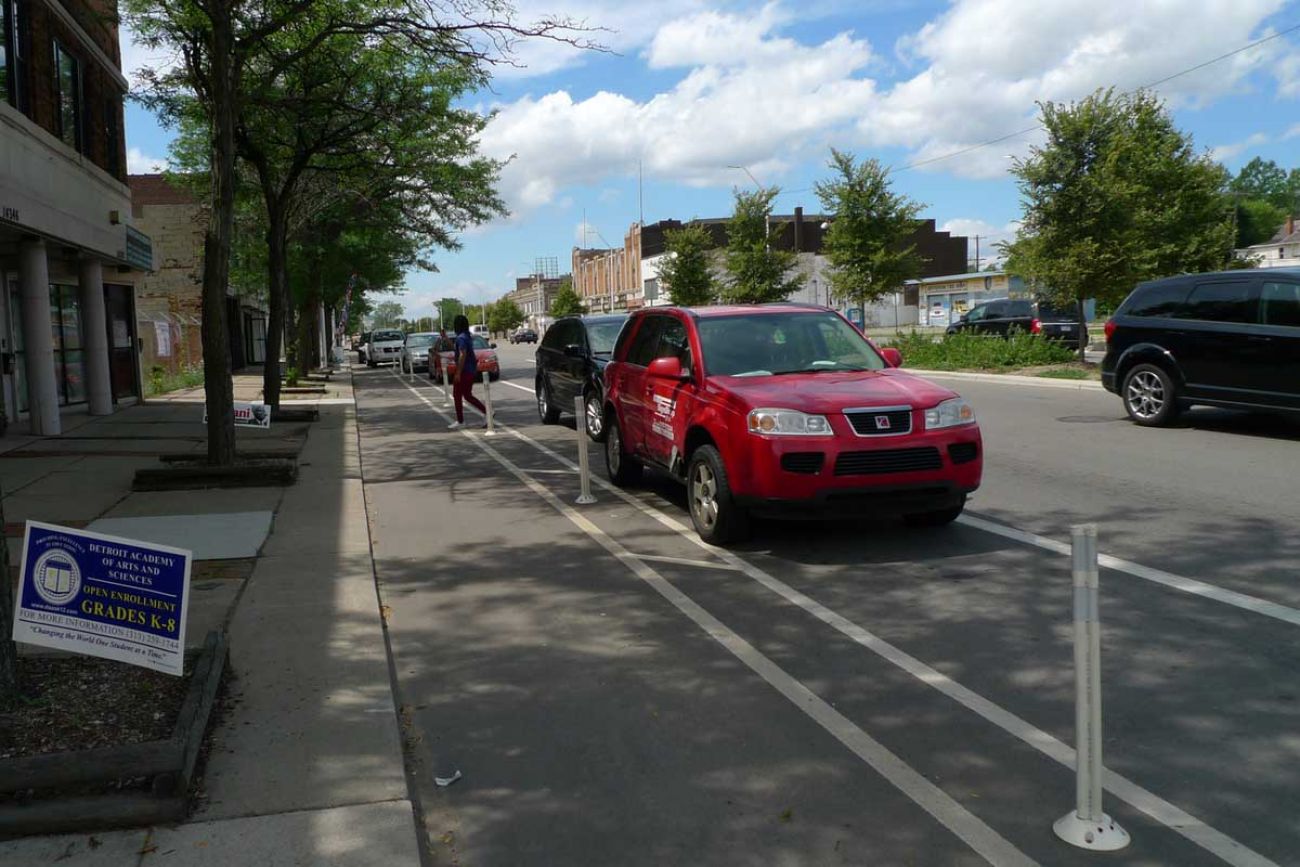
(1154, 84)
(1189, 70)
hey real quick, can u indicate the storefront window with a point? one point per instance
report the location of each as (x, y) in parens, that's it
(65, 334)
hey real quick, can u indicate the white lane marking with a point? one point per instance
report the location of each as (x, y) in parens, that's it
(520, 387)
(683, 561)
(1208, 838)
(1137, 570)
(980, 837)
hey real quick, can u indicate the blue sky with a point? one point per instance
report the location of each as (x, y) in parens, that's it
(693, 87)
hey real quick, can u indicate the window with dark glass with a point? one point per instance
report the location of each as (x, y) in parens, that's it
(67, 90)
(111, 137)
(1219, 302)
(11, 53)
(645, 342)
(1280, 304)
(1161, 302)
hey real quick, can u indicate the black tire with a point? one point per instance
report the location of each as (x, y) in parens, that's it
(937, 518)
(547, 411)
(1150, 396)
(717, 517)
(493, 377)
(595, 419)
(371, 363)
(621, 468)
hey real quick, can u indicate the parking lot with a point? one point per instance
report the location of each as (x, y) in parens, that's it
(615, 692)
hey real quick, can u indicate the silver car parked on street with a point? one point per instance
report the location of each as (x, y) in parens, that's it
(415, 354)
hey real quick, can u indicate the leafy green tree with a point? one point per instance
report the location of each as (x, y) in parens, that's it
(1257, 221)
(506, 316)
(231, 48)
(1265, 180)
(868, 244)
(686, 271)
(566, 301)
(757, 271)
(1115, 196)
(448, 309)
(387, 314)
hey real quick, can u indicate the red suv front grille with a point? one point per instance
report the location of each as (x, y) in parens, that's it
(882, 423)
(885, 461)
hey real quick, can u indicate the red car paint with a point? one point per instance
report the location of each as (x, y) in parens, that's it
(662, 420)
(444, 354)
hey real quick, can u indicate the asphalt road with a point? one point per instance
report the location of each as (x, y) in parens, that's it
(615, 693)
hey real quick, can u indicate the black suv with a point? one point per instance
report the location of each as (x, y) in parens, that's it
(1003, 316)
(1229, 339)
(570, 362)
(523, 335)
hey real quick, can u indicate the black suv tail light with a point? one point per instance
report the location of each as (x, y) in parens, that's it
(1110, 329)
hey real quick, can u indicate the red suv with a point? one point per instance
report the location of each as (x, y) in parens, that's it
(785, 410)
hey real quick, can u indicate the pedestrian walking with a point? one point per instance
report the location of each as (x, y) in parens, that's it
(466, 372)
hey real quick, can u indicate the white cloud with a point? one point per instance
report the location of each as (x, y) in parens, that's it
(1293, 132)
(1287, 71)
(140, 163)
(990, 236)
(986, 63)
(1228, 151)
(757, 109)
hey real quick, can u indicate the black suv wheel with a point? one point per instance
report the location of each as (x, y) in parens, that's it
(547, 411)
(1150, 396)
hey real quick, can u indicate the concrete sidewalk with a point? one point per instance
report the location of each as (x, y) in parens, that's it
(306, 761)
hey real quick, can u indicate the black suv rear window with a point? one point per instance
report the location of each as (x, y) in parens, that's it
(1158, 301)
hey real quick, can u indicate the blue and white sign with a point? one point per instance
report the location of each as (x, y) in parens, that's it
(103, 596)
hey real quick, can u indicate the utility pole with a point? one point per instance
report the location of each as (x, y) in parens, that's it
(640, 193)
(977, 253)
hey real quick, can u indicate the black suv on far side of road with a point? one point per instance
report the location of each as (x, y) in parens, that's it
(570, 362)
(1229, 339)
(1005, 316)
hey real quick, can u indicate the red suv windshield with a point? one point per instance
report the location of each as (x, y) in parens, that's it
(767, 344)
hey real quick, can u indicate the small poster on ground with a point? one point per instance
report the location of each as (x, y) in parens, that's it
(103, 596)
(248, 415)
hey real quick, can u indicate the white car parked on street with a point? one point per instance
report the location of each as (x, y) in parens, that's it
(385, 347)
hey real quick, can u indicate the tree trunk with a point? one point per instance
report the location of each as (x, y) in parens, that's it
(8, 650)
(277, 281)
(216, 246)
(306, 324)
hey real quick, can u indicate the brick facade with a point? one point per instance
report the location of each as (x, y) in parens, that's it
(102, 119)
(169, 299)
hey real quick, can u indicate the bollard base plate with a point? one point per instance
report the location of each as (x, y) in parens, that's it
(585, 500)
(1103, 835)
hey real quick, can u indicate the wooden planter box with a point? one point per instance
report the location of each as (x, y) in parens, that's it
(169, 762)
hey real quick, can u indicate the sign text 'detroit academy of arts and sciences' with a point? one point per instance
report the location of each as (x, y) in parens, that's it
(103, 596)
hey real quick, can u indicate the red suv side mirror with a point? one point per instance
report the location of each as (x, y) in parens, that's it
(667, 368)
(893, 357)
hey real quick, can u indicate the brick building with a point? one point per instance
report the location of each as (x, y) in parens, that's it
(628, 277)
(533, 295)
(68, 253)
(169, 301)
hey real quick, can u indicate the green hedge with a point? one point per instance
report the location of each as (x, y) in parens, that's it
(161, 380)
(965, 351)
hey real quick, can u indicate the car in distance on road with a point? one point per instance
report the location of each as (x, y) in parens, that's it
(361, 347)
(384, 347)
(415, 352)
(571, 362)
(1005, 316)
(523, 335)
(444, 355)
(1228, 339)
(783, 410)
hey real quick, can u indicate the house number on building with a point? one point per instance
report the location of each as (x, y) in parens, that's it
(10, 214)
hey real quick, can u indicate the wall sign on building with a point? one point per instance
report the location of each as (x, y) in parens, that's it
(103, 596)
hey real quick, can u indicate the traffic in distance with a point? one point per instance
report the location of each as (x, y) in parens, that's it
(788, 410)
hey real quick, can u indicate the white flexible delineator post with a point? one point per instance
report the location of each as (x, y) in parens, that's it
(446, 387)
(1086, 826)
(487, 399)
(584, 464)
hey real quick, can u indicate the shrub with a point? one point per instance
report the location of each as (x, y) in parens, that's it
(965, 351)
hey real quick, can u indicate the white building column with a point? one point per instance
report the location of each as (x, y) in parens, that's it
(38, 343)
(94, 338)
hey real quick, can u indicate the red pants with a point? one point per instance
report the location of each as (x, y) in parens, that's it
(463, 389)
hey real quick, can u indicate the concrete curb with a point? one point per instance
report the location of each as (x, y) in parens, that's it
(1013, 379)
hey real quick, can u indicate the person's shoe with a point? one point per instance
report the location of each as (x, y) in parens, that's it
(455, 425)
